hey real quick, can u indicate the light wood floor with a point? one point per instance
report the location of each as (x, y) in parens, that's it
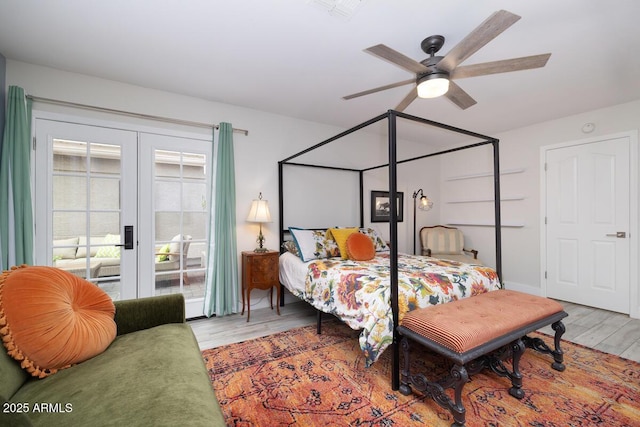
(603, 330)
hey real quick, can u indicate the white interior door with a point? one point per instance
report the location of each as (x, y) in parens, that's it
(587, 223)
(86, 195)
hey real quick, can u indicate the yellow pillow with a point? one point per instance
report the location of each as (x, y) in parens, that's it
(163, 253)
(340, 235)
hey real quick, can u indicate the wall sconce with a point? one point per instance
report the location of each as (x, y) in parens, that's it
(425, 204)
(259, 213)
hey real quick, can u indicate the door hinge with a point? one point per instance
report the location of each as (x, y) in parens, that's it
(545, 274)
(545, 220)
(34, 143)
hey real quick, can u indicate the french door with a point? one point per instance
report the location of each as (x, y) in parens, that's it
(125, 209)
(176, 216)
(86, 193)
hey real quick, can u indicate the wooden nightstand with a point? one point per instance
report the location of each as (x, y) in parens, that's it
(260, 271)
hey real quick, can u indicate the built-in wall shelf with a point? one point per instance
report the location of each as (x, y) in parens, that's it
(508, 224)
(486, 199)
(484, 174)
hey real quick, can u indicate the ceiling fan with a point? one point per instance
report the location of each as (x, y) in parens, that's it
(435, 75)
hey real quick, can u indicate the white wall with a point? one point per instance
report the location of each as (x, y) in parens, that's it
(520, 149)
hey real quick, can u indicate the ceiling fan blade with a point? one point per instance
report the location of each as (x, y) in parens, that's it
(396, 58)
(378, 89)
(483, 34)
(505, 66)
(411, 96)
(459, 96)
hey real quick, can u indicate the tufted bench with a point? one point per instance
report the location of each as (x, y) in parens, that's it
(477, 333)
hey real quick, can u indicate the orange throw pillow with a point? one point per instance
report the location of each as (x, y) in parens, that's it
(51, 319)
(360, 247)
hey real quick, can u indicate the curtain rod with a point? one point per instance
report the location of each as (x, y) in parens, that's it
(130, 114)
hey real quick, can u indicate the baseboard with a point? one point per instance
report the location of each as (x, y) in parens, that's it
(521, 287)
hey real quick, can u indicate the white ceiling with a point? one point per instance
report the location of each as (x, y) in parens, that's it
(293, 58)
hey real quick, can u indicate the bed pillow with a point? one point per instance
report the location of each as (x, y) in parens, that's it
(379, 243)
(360, 247)
(51, 319)
(340, 235)
(290, 246)
(314, 244)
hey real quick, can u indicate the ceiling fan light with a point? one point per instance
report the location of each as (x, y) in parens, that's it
(433, 85)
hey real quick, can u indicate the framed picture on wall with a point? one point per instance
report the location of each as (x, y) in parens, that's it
(381, 208)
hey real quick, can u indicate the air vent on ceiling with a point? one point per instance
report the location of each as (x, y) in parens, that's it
(342, 8)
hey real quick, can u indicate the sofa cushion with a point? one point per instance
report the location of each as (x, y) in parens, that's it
(82, 246)
(68, 252)
(12, 376)
(109, 251)
(51, 319)
(152, 377)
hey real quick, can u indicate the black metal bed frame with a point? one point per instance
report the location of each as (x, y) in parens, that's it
(391, 116)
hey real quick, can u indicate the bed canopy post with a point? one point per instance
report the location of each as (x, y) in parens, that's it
(280, 205)
(361, 176)
(393, 258)
(496, 201)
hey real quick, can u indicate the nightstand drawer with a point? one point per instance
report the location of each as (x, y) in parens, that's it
(264, 269)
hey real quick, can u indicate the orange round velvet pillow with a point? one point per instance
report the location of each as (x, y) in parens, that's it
(360, 247)
(51, 319)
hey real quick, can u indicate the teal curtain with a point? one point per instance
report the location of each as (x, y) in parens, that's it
(16, 215)
(221, 294)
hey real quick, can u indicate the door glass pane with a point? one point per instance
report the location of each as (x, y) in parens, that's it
(181, 215)
(86, 202)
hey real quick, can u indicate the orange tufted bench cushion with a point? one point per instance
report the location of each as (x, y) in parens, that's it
(465, 324)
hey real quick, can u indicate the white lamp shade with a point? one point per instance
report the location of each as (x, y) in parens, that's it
(259, 211)
(433, 88)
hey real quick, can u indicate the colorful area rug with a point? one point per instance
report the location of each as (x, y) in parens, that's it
(301, 378)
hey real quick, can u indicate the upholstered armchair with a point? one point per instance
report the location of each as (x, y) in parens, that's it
(446, 243)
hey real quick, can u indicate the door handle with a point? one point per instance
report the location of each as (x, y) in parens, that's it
(128, 237)
(618, 234)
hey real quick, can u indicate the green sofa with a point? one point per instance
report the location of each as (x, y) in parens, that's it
(152, 374)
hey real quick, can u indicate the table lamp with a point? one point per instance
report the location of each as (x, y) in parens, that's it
(259, 213)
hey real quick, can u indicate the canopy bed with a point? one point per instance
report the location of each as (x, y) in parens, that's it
(396, 273)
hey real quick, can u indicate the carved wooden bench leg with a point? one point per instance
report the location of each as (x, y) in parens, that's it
(540, 346)
(500, 321)
(456, 380)
(516, 350)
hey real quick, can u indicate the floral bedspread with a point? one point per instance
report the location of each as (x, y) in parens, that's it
(359, 292)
